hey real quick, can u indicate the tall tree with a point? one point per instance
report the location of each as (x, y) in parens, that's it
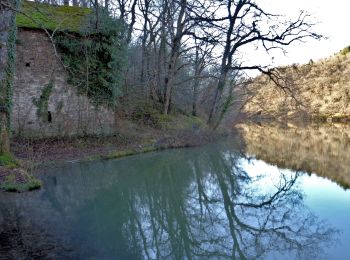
(244, 23)
(176, 41)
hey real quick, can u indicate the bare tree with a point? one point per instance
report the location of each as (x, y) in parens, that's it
(202, 59)
(175, 53)
(244, 23)
(173, 43)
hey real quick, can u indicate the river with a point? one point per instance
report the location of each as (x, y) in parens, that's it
(274, 192)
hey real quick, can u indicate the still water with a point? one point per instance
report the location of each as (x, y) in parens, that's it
(277, 193)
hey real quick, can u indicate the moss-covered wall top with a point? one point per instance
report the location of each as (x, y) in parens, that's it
(64, 18)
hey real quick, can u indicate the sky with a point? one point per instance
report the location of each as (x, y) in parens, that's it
(333, 19)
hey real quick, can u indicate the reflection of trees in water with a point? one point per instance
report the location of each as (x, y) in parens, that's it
(20, 238)
(206, 206)
(321, 149)
(183, 204)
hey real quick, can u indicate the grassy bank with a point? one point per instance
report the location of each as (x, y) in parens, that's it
(13, 177)
(146, 131)
(132, 137)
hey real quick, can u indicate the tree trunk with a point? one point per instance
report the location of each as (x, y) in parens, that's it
(4, 134)
(217, 98)
(197, 71)
(195, 97)
(5, 28)
(175, 53)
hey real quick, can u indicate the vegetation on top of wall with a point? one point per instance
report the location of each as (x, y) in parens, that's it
(95, 59)
(92, 54)
(45, 16)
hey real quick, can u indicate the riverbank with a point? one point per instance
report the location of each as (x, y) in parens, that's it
(54, 152)
(37, 154)
(13, 177)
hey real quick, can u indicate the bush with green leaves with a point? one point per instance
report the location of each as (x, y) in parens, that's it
(94, 58)
(8, 160)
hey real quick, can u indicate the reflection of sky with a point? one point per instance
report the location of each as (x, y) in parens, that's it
(331, 202)
(326, 199)
(268, 175)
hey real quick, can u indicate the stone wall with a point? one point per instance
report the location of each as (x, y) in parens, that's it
(68, 113)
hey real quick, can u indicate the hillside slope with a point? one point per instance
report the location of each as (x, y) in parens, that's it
(318, 90)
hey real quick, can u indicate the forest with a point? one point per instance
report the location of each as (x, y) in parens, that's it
(150, 60)
(170, 55)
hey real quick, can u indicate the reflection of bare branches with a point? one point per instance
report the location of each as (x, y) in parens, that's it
(285, 185)
(194, 205)
(216, 216)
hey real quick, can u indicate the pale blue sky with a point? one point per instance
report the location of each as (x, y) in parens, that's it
(334, 22)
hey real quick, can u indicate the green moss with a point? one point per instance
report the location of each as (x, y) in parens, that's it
(129, 152)
(8, 161)
(149, 149)
(92, 158)
(181, 122)
(164, 121)
(64, 18)
(196, 121)
(146, 114)
(123, 153)
(11, 185)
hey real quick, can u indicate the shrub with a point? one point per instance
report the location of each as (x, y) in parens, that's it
(345, 51)
(95, 58)
(10, 184)
(8, 160)
(150, 115)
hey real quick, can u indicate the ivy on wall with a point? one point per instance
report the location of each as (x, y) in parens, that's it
(6, 85)
(43, 102)
(94, 58)
(7, 65)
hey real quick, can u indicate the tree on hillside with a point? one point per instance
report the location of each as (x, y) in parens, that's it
(235, 24)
